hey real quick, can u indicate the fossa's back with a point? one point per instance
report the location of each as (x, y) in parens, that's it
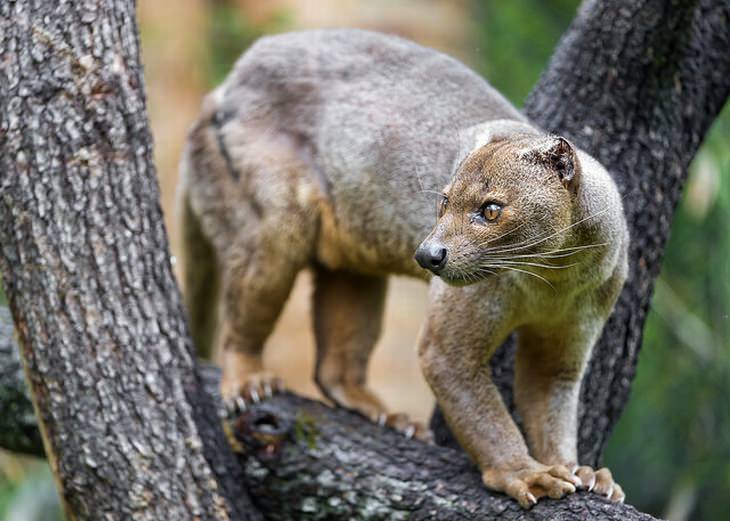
(376, 119)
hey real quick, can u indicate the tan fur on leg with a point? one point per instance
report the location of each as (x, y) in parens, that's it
(348, 311)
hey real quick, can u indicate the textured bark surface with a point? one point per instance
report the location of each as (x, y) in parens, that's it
(331, 464)
(84, 257)
(304, 460)
(637, 84)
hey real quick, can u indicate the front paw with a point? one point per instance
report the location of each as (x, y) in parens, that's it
(601, 482)
(528, 483)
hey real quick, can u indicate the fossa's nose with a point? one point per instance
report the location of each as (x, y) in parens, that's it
(431, 257)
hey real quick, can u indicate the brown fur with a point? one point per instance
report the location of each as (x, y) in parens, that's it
(323, 149)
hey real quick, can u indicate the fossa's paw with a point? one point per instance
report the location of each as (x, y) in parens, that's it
(601, 482)
(403, 424)
(239, 393)
(244, 375)
(356, 398)
(527, 485)
(363, 401)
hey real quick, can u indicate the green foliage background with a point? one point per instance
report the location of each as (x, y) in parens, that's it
(671, 449)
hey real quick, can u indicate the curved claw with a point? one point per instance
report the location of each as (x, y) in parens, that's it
(410, 431)
(600, 482)
(404, 425)
(229, 409)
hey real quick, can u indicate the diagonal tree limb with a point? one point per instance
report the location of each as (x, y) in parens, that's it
(304, 460)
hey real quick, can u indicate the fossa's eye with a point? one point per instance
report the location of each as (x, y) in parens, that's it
(442, 205)
(491, 211)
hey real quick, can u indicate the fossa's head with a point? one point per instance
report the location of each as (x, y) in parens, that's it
(509, 202)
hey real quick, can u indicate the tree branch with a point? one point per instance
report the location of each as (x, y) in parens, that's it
(304, 460)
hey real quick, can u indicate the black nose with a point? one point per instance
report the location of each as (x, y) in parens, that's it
(431, 256)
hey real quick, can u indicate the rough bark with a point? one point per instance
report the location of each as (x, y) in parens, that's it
(304, 460)
(129, 432)
(332, 464)
(637, 84)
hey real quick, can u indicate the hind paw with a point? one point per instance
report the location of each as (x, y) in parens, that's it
(403, 424)
(240, 393)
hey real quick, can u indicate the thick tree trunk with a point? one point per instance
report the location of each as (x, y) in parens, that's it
(303, 460)
(84, 256)
(636, 83)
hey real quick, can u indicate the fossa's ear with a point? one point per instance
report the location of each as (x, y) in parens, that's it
(559, 155)
(562, 158)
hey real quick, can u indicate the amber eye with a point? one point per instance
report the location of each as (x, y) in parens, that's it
(491, 211)
(442, 205)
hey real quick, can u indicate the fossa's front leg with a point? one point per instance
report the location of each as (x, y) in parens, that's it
(454, 350)
(549, 366)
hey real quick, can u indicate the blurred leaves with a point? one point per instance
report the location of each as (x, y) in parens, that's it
(231, 33)
(27, 491)
(516, 39)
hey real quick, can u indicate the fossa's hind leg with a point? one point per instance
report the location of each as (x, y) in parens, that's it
(348, 312)
(258, 274)
(251, 192)
(201, 280)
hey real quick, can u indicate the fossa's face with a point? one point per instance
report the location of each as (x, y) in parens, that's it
(508, 204)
